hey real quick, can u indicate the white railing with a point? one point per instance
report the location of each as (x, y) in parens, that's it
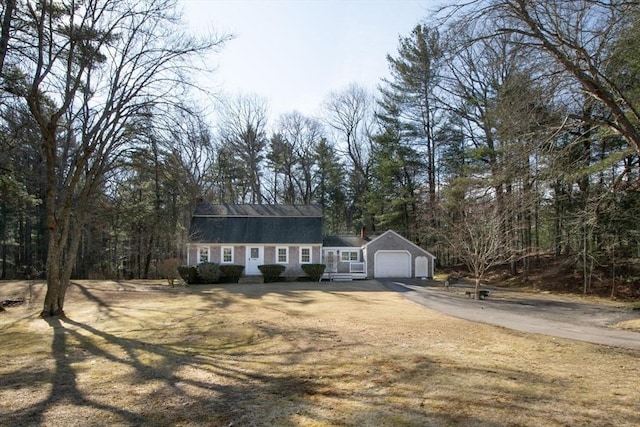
(356, 267)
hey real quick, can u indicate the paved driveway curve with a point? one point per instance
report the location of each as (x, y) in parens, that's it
(572, 320)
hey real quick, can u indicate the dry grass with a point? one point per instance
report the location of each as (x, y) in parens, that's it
(329, 354)
(629, 325)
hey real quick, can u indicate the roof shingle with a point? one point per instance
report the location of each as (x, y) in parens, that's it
(257, 224)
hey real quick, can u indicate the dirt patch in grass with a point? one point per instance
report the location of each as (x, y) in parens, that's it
(292, 354)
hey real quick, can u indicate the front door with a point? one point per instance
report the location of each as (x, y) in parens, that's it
(331, 261)
(255, 257)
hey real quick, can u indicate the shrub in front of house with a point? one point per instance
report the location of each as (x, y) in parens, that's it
(271, 272)
(231, 273)
(314, 271)
(208, 272)
(188, 273)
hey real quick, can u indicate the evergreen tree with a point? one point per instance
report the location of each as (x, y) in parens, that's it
(415, 79)
(331, 193)
(395, 172)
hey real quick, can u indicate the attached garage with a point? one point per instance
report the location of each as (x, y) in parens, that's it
(389, 263)
(391, 255)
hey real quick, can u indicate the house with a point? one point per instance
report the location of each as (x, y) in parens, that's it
(252, 235)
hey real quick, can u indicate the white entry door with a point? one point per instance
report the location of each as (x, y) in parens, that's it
(421, 267)
(255, 257)
(331, 260)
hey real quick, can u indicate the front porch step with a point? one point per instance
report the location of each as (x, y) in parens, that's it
(337, 277)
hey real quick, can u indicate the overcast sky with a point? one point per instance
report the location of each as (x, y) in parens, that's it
(295, 52)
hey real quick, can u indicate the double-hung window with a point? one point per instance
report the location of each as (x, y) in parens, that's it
(349, 256)
(203, 254)
(282, 255)
(227, 255)
(305, 255)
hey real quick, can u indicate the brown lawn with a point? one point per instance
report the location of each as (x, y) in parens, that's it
(292, 354)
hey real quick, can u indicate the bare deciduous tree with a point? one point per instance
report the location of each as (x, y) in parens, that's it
(473, 232)
(292, 154)
(168, 269)
(349, 114)
(243, 121)
(93, 74)
(577, 36)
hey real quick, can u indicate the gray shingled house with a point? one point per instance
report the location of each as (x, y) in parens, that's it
(252, 235)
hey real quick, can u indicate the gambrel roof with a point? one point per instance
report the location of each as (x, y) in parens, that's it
(256, 224)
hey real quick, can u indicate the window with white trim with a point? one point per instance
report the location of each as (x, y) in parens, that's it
(349, 256)
(254, 253)
(282, 255)
(305, 255)
(227, 255)
(203, 254)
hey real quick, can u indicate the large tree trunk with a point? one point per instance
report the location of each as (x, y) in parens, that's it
(4, 227)
(54, 298)
(56, 288)
(61, 259)
(61, 224)
(57, 274)
(56, 285)
(5, 33)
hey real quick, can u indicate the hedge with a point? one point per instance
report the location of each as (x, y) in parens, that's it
(208, 272)
(189, 273)
(314, 271)
(271, 272)
(231, 273)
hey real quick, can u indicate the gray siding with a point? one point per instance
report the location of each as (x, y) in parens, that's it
(293, 268)
(391, 241)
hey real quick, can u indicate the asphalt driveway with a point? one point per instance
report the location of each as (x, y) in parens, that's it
(564, 319)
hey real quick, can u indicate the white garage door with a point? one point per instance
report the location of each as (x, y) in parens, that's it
(392, 264)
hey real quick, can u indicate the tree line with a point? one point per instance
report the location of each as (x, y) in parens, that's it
(507, 129)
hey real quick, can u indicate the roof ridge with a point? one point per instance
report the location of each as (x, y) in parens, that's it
(229, 210)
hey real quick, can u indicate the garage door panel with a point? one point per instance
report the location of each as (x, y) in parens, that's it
(392, 264)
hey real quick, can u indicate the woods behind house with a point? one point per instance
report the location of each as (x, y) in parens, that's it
(508, 130)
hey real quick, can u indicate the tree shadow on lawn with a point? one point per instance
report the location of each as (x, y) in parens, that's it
(241, 380)
(300, 292)
(171, 398)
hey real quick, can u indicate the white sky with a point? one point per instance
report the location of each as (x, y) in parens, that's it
(295, 52)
